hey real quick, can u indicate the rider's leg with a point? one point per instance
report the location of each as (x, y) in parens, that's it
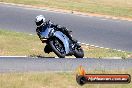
(73, 40)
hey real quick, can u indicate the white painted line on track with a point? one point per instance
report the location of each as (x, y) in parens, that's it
(54, 71)
(92, 45)
(119, 50)
(97, 46)
(83, 43)
(30, 34)
(104, 19)
(101, 47)
(114, 49)
(123, 51)
(13, 56)
(117, 21)
(107, 48)
(87, 44)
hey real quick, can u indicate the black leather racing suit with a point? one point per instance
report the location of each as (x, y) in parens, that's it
(56, 27)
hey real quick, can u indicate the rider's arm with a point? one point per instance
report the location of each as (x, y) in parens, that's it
(38, 32)
(52, 25)
(64, 29)
(58, 27)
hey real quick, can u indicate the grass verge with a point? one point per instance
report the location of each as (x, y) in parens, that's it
(120, 8)
(14, 43)
(54, 80)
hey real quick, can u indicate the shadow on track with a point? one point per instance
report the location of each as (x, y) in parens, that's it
(39, 56)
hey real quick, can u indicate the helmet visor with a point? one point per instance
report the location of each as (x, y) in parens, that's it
(39, 23)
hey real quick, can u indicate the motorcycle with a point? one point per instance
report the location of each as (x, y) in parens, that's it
(59, 43)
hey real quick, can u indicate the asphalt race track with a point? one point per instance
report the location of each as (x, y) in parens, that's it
(98, 31)
(21, 64)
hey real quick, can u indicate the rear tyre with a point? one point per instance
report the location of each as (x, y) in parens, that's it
(57, 47)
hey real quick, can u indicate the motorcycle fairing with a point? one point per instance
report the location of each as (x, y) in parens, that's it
(45, 33)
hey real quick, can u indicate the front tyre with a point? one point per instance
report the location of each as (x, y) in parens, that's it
(79, 53)
(57, 47)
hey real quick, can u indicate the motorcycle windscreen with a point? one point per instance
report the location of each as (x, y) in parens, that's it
(45, 33)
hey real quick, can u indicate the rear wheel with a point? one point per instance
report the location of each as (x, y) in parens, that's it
(57, 47)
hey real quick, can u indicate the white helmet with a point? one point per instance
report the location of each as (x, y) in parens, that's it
(40, 19)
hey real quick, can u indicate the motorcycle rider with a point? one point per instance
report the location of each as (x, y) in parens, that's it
(41, 22)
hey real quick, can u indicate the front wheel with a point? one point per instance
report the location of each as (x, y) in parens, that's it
(79, 53)
(57, 47)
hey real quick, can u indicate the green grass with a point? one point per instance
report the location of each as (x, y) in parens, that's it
(14, 43)
(54, 80)
(121, 8)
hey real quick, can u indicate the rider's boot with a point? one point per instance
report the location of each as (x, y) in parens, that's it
(74, 41)
(68, 33)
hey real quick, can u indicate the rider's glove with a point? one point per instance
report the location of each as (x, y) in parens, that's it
(65, 29)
